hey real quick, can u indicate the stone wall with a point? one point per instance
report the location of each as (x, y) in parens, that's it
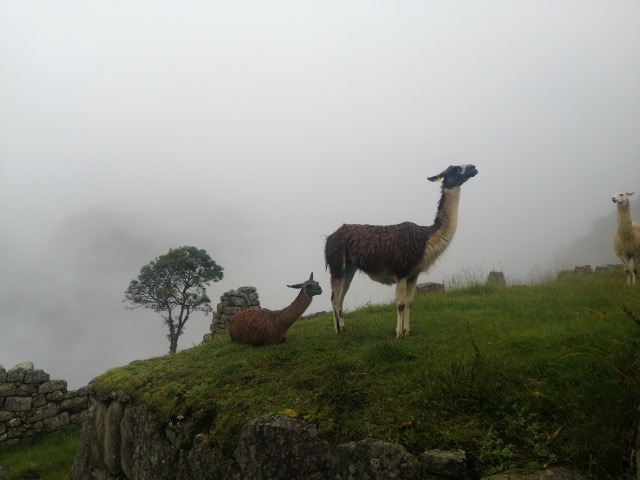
(121, 440)
(30, 402)
(588, 270)
(231, 302)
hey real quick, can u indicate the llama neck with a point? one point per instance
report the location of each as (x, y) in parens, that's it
(625, 228)
(294, 311)
(447, 216)
(444, 225)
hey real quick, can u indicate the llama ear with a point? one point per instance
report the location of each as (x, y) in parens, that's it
(629, 194)
(297, 285)
(311, 276)
(438, 178)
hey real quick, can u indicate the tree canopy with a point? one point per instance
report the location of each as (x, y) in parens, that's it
(174, 285)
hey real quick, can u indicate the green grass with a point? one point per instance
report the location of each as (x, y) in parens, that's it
(45, 457)
(518, 377)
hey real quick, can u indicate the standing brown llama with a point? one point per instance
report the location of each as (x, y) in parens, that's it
(394, 253)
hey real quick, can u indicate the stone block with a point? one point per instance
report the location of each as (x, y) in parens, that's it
(75, 404)
(112, 438)
(279, 447)
(52, 386)
(4, 415)
(26, 390)
(3, 374)
(57, 422)
(7, 389)
(36, 376)
(78, 418)
(238, 302)
(47, 411)
(19, 432)
(17, 404)
(56, 396)
(16, 375)
(233, 310)
(14, 422)
(70, 394)
(39, 401)
(374, 460)
(26, 366)
(429, 287)
(449, 464)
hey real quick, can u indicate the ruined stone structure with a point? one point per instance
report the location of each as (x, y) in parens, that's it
(496, 278)
(30, 402)
(579, 270)
(231, 302)
(429, 287)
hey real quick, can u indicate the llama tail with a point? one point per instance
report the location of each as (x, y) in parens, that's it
(336, 254)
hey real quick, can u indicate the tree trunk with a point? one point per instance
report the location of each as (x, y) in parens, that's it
(173, 344)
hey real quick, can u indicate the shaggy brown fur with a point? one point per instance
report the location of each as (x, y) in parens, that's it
(627, 240)
(261, 326)
(369, 246)
(394, 253)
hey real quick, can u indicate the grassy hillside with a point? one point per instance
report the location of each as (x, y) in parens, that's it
(519, 377)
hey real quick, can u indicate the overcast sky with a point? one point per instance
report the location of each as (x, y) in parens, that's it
(254, 129)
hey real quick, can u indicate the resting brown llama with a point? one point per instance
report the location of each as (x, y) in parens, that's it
(261, 326)
(627, 240)
(394, 253)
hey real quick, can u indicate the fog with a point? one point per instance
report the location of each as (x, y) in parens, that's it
(254, 129)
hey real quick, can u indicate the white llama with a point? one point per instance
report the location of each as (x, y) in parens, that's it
(627, 240)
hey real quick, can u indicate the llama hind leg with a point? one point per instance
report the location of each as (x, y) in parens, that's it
(339, 289)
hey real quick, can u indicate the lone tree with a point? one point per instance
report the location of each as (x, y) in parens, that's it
(174, 285)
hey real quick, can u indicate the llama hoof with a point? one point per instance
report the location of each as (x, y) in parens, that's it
(403, 335)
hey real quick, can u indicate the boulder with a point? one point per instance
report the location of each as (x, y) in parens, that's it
(278, 447)
(429, 287)
(375, 460)
(547, 474)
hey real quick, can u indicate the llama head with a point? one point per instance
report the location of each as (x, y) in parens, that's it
(310, 287)
(621, 198)
(455, 175)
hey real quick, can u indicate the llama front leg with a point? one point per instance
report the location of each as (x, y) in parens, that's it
(628, 270)
(401, 306)
(409, 293)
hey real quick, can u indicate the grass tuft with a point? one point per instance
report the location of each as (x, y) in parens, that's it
(47, 456)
